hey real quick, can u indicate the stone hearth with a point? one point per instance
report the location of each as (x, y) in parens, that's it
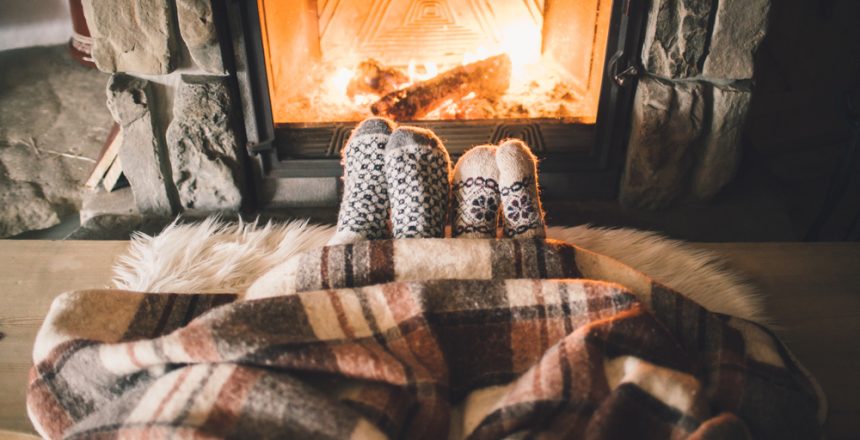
(170, 88)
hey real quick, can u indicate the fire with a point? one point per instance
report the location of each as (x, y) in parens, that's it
(480, 53)
(538, 88)
(338, 80)
(521, 40)
(552, 74)
(430, 69)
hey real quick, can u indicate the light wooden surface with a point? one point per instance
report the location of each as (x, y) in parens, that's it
(811, 290)
(32, 273)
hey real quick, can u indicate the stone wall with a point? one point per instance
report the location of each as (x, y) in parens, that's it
(692, 101)
(181, 150)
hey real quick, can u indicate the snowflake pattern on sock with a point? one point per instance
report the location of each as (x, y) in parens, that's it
(520, 207)
(476, 209)
(417, 177)
(364, 210)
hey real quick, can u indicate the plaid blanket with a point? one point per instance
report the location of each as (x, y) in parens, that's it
(418, 339)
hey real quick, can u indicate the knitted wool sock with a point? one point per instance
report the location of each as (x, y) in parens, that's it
(364, 208)
(417, 168)
(521, 209)
(476, 194)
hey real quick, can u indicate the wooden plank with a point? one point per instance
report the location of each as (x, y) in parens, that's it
(32, 273)
(811, 290)
(107, 156)
(112, 176)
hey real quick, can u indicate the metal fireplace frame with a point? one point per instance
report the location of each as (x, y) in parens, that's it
(577, 161)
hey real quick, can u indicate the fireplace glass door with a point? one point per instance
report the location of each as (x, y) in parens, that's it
(335, 60)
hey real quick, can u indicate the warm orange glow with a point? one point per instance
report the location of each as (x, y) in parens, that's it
(428, 70)
(313, 49)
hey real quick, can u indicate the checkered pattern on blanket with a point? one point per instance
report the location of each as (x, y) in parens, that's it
(369, 344)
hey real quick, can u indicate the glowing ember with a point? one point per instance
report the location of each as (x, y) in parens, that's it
(538, 90)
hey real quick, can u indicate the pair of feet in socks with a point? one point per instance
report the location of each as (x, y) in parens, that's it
(401, 175)
(490, 177)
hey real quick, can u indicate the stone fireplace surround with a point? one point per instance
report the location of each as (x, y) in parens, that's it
(172, 93)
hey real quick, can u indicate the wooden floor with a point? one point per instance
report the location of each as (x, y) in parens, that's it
(32, 273)
(811, 290)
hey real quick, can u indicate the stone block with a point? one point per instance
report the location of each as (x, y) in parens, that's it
(667, 121)
(134, 36)
(204, 149)
(53, 119)
(119, 202)
(739, 27)
(24, 208)
(676, 37)
(114, 216)
(142, 153)
(119, 227)
(719, 149)
(197, 28)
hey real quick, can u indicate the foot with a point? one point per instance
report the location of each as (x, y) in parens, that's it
(364, 209)
(417, 167)
(522, 214)
(475, 212)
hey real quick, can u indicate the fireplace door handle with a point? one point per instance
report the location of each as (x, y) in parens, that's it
(621, 76)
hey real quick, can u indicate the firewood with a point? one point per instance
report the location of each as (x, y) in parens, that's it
(488, 78)
(109, 152)
(114, 173)
(373, 77)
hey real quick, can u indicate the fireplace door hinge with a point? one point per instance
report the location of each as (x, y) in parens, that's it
(621, 70)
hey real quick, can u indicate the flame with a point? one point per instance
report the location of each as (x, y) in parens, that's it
(479, 54)
(430, 69)
(539, 86)
(339, 80)
(521, 40)
(308, 81)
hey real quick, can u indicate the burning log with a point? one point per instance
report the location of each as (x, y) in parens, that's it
(487, 78)
(373, 77)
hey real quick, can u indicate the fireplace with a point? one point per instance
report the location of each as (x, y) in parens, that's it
(239, 103)
(315, 68)
(331, 61)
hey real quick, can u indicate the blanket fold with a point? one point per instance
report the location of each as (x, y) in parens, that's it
(418, 339)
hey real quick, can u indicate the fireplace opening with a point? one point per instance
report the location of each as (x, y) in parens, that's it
(333, 61)
(558, 74)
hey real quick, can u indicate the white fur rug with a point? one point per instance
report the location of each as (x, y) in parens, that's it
(212, 256)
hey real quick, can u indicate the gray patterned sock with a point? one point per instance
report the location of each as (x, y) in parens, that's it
(521, 209)
(475, 213)
(417, 167)
(364, 209)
